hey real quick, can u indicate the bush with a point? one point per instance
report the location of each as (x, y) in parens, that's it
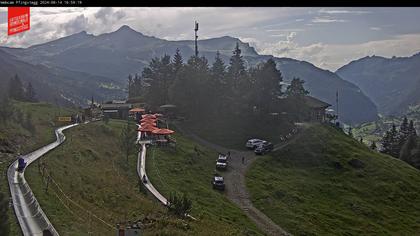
(179, 205)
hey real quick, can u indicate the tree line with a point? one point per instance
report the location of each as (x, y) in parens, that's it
(20, 92)
(402, 143)
(198, 89)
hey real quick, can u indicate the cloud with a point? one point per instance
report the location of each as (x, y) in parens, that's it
(326, 19)
(375, 28)
(333, 56)
(75, 25)
(324, 11)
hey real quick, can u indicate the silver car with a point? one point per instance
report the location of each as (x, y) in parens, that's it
(253, 143)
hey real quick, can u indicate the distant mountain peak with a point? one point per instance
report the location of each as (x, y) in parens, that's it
(126, 28)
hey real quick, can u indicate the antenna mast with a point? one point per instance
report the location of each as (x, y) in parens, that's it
(196, 37)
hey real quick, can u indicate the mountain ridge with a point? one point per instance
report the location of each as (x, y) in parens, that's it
(125, 51)
(391, 83)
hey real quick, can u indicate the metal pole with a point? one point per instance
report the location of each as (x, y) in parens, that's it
(196, 37)
(336, 100)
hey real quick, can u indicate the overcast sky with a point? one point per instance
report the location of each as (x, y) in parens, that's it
(326, 37)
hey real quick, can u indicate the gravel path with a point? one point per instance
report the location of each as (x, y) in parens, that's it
(235, 182)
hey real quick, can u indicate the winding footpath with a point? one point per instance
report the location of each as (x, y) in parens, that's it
(31, 217)
(236, 189)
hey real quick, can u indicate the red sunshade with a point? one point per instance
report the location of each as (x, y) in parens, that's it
(147, 128)
(148, 119)
(163, 131)
(134, 110)
(148, 123)
(148, 116)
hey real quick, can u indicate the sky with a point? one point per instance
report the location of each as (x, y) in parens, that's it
(327, 37)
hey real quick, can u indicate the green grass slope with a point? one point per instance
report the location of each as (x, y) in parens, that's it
(232, 131)
(182, 170)
(91, 170)
(14, 138)
(309, 188)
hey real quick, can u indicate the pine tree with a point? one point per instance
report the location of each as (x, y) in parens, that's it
(407, 148)
(403, 132)
(296, 88)
(30, 93)
(412, 129)
(177, 62)
(236, 69)
(390, 142)
(218, 69)
(267, 80)
(16, 90)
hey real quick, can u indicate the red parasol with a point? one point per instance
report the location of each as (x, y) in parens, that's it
(148, 123)
(149, 116)
(163, 131)
(147, 128)
(134, 110)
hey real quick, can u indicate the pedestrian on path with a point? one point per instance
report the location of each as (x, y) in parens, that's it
(243, 160)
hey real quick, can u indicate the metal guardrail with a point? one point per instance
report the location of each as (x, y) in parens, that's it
(31, 218)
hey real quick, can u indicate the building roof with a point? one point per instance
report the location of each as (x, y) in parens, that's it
(315, 103)
(116, 106)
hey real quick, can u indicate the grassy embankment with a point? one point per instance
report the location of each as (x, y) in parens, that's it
(310, 188)
(90, 168)
(17, 139)
(233, 131)
(183, 170)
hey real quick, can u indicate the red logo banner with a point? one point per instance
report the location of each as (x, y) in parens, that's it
(18, 20)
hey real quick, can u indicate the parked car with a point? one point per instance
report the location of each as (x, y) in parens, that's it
(264, 148)
(221, 162)
(253, 143)
(218, 182)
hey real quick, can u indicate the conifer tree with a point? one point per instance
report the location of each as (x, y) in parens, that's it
(16, 90)
(177, 62)
(412, 129)
(218, 69)
(30, 93)
(236, 69)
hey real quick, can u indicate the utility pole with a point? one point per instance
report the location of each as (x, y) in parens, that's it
(196, 37)
(336, 100)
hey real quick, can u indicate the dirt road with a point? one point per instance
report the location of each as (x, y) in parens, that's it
(235, 182)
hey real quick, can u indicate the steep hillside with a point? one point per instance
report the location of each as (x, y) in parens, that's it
(16, 137)
(189, 171)
(392, 83)
(114, 55)
(57, 84)
(354, 106)
(326, 183)
(105, 185)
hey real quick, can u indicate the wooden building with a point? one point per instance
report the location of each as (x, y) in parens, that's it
(116, 110)
(317, 109)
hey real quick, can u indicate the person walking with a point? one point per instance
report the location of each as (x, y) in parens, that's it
(243, 160)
